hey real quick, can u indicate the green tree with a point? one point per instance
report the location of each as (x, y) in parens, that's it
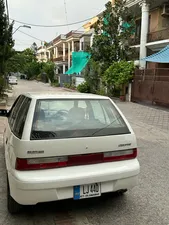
(29, 55)
(49, 69)
(16, 63)
(118, 75)
(21, 61)
(92, 75)
(32, 69)
(6, 41)
(112, 33)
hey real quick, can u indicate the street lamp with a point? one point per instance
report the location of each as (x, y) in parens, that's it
(25, 26)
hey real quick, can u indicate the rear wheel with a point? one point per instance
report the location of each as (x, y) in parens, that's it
(13, 206)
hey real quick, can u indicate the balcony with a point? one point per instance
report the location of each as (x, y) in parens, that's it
(60, 58)
(131, 3)
(158, 35)
(60, 37)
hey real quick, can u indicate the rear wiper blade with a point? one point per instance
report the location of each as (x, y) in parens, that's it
(106, 126)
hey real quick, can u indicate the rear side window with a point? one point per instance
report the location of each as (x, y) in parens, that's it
(14, 110)
(21, 118)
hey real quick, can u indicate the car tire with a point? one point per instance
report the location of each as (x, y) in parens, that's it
(12, 205)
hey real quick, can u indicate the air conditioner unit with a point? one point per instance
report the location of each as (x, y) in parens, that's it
(165, 10)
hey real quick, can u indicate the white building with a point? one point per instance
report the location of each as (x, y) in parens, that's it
(43, 54)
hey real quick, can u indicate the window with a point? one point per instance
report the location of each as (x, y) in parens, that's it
(14, 110)
(99, 112)
(21, 118)
(61, 118)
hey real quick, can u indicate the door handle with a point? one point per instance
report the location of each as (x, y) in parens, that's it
(6, 140)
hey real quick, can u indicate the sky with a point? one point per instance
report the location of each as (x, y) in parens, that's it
(50, 12)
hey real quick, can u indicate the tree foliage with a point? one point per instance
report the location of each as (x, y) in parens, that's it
(119, 73)
(84, 87)
(112, 33)
(6, 41)
(24, 62)
(49, 69)
(32, 69)
(92, 75)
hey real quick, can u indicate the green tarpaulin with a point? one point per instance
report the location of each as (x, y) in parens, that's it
(79, 61)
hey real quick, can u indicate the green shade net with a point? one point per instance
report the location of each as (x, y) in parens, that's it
(105, 20)
(126, 26)
(79, 61)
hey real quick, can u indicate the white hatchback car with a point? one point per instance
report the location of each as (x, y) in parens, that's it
(63, 146)
(12, 80)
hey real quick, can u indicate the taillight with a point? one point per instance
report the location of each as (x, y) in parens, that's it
(76, 160)
(41, 163)
(120, 155)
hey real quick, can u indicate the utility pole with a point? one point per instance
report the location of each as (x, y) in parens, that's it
(7, 9)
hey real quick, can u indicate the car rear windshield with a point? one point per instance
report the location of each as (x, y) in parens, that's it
(58, 119)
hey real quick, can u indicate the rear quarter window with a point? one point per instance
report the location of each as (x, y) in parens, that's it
(14, 111)
(21, 118)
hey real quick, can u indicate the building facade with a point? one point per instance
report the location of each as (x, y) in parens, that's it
(43, 54)
(61, 49)
(152, 28)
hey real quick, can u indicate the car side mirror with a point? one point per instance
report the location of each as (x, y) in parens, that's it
(3, 112)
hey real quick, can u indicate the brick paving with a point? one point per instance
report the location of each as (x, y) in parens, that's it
(153, 116)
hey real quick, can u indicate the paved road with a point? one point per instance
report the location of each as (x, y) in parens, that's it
(147, 204)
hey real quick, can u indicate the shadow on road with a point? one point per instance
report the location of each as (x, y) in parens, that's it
(68, 212)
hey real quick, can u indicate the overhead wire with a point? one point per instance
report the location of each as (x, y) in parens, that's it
(29, 35)
(57, 25)
(50, 26)
(92, 17)
(23, 42)
(61, 25)
(65, 6)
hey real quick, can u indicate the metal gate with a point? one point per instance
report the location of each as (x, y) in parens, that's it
(151, 86)
(64, 79)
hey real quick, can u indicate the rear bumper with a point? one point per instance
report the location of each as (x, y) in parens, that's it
(32, 187)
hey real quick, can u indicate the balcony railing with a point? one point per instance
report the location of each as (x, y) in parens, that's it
(60, 58)
(158, 35)
(130, 3)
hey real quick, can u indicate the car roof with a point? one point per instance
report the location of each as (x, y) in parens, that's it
(63, 95)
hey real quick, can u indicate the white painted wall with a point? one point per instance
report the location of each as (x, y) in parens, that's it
(79, 80)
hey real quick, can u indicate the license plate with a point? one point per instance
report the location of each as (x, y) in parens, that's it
(87, 191)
